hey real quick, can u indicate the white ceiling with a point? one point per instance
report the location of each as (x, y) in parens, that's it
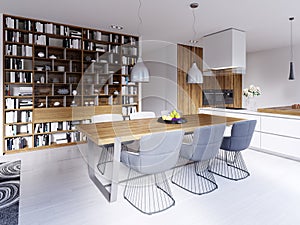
(265, 21)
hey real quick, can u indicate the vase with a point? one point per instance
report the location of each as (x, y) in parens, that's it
(251, 103)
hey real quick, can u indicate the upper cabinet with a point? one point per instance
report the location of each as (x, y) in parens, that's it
(225, 49)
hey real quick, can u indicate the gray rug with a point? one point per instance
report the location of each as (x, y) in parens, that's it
(9, 192)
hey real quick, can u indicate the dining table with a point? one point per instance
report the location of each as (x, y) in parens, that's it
(116, 133)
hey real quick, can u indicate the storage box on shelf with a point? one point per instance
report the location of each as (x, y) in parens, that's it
(48, 66)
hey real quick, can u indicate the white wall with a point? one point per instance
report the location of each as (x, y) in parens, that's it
(270, 70)
(161, 92)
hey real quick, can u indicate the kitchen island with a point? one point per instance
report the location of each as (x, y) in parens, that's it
(277, 130)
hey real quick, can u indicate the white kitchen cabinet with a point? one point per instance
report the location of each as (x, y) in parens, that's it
(281, 126)
(285, 146)
(225, 49)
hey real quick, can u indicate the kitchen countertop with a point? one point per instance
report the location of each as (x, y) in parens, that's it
(281, 112)
(286, 110)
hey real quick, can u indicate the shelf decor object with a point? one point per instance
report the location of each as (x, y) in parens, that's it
(194, 75)
(140, 72)
(291, 74)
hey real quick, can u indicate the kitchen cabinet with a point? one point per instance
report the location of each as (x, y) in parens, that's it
(225, 49)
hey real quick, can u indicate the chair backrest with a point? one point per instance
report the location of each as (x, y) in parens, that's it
(159, 151)
(141, 115)
(106, 118)
(207, 141)
(241, 135)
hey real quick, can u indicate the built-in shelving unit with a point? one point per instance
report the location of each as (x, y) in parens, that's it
(51, 70)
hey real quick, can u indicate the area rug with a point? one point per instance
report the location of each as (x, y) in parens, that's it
(9, 192)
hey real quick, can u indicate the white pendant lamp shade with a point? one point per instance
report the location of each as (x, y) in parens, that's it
(139, 72)
(195, 75)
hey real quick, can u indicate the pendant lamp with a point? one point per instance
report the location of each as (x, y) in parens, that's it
(291, 74)
(194, 75)
(140, 72)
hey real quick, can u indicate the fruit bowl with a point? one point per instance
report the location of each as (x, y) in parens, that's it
(173, 117)
(172, 121)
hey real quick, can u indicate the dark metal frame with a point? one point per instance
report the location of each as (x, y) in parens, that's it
(149, 194)
(229, 164)
(195, 178)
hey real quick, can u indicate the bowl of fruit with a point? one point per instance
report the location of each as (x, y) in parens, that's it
(173, 117)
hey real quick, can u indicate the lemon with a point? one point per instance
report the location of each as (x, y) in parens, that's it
(168, 118)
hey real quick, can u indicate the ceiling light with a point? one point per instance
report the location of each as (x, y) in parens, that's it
(194, 75)
(116, 27)
(140, 72)
(193, 41)
(291, 75)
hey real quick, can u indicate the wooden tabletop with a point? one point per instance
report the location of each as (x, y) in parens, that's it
(285, 110)
(105, 133)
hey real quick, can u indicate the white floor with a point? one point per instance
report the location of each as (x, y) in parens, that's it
(56, 189)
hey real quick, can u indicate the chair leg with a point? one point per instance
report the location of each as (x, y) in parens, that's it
(195, 178)
(229, 164)
(106, 156)
(149, 194)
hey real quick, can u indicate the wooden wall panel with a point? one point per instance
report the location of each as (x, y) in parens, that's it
(226, 79)
(189, 96)
(237, 85)
(43, 115)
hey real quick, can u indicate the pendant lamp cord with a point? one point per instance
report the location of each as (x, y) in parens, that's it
(194, 31)
(140, 18)
(292, 53)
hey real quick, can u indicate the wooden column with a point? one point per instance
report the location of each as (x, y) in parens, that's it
(189, 96)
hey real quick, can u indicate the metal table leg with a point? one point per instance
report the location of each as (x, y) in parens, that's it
(109, 193)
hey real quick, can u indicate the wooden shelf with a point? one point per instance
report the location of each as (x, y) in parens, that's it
(18, 30)
(17, 70)
(76, 69)
(20, 109)
(19, 135)
(18, 57)
(18, 123)
(43, 147)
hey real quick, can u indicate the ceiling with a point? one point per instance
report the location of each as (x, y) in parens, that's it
(265, 21)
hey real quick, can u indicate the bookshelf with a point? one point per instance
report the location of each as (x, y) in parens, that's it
(53, 72)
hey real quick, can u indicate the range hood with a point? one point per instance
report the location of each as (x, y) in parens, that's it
(225, 49)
